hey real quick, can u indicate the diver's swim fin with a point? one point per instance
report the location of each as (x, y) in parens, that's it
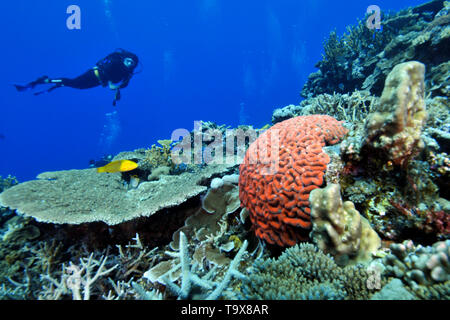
(31, 85)
(21, 88)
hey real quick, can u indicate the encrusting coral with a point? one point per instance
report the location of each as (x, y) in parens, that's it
(279, 171)
(339, 229)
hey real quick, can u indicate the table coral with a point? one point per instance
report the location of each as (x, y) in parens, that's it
(279, 171)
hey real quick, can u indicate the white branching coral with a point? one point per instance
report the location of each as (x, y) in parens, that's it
(205, 287)
(77, 280)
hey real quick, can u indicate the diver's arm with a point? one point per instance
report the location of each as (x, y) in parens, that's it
(124, 83)
(113, 86)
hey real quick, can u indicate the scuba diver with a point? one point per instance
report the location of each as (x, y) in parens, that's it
(114, 71)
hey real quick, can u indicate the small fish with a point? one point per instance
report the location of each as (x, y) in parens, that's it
(118, 166)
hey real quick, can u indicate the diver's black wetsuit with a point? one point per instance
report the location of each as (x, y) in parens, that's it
(115, 68)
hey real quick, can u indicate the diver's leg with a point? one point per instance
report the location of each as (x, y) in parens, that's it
(85, 81)
(59, 85)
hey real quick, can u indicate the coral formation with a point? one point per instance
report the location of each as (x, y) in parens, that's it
(339, 229)
(393, 290)
(223, 195)
(279, 171)
(158, 156)
(306, 273)
(362, 58)
(352, 108)
(396, 126)
(172, 229)
(78, 196)
(201, 287)
(7, 182)
(425, 270)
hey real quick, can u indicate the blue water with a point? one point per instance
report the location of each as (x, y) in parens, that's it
(228, 61)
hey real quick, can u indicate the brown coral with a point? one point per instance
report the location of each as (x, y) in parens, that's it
(279, 171)
(396, 127)
(339, 229)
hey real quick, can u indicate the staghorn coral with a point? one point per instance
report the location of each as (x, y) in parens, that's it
(279, 171)
(396, 126)
(339, 229)
(305, 272)
(205, 286)
(76, 280)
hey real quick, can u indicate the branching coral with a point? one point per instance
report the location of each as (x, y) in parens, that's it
(76, 280)
(7, 182)
(362, 57)
(352, 108)
(202, 287)
(305, 272)
(158, 156)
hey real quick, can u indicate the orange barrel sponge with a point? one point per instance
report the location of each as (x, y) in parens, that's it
(279, 171)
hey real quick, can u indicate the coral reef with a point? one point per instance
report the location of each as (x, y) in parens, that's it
(201, 287)
(362, 58)
(173, 228)
(158, 156)
(279, 171)
(303, 272)
(352, 108)
(396, 126)
(339, 229)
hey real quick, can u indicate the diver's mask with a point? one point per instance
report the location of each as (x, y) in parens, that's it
(129, 63)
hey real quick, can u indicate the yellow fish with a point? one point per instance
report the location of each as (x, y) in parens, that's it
(118, 166)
